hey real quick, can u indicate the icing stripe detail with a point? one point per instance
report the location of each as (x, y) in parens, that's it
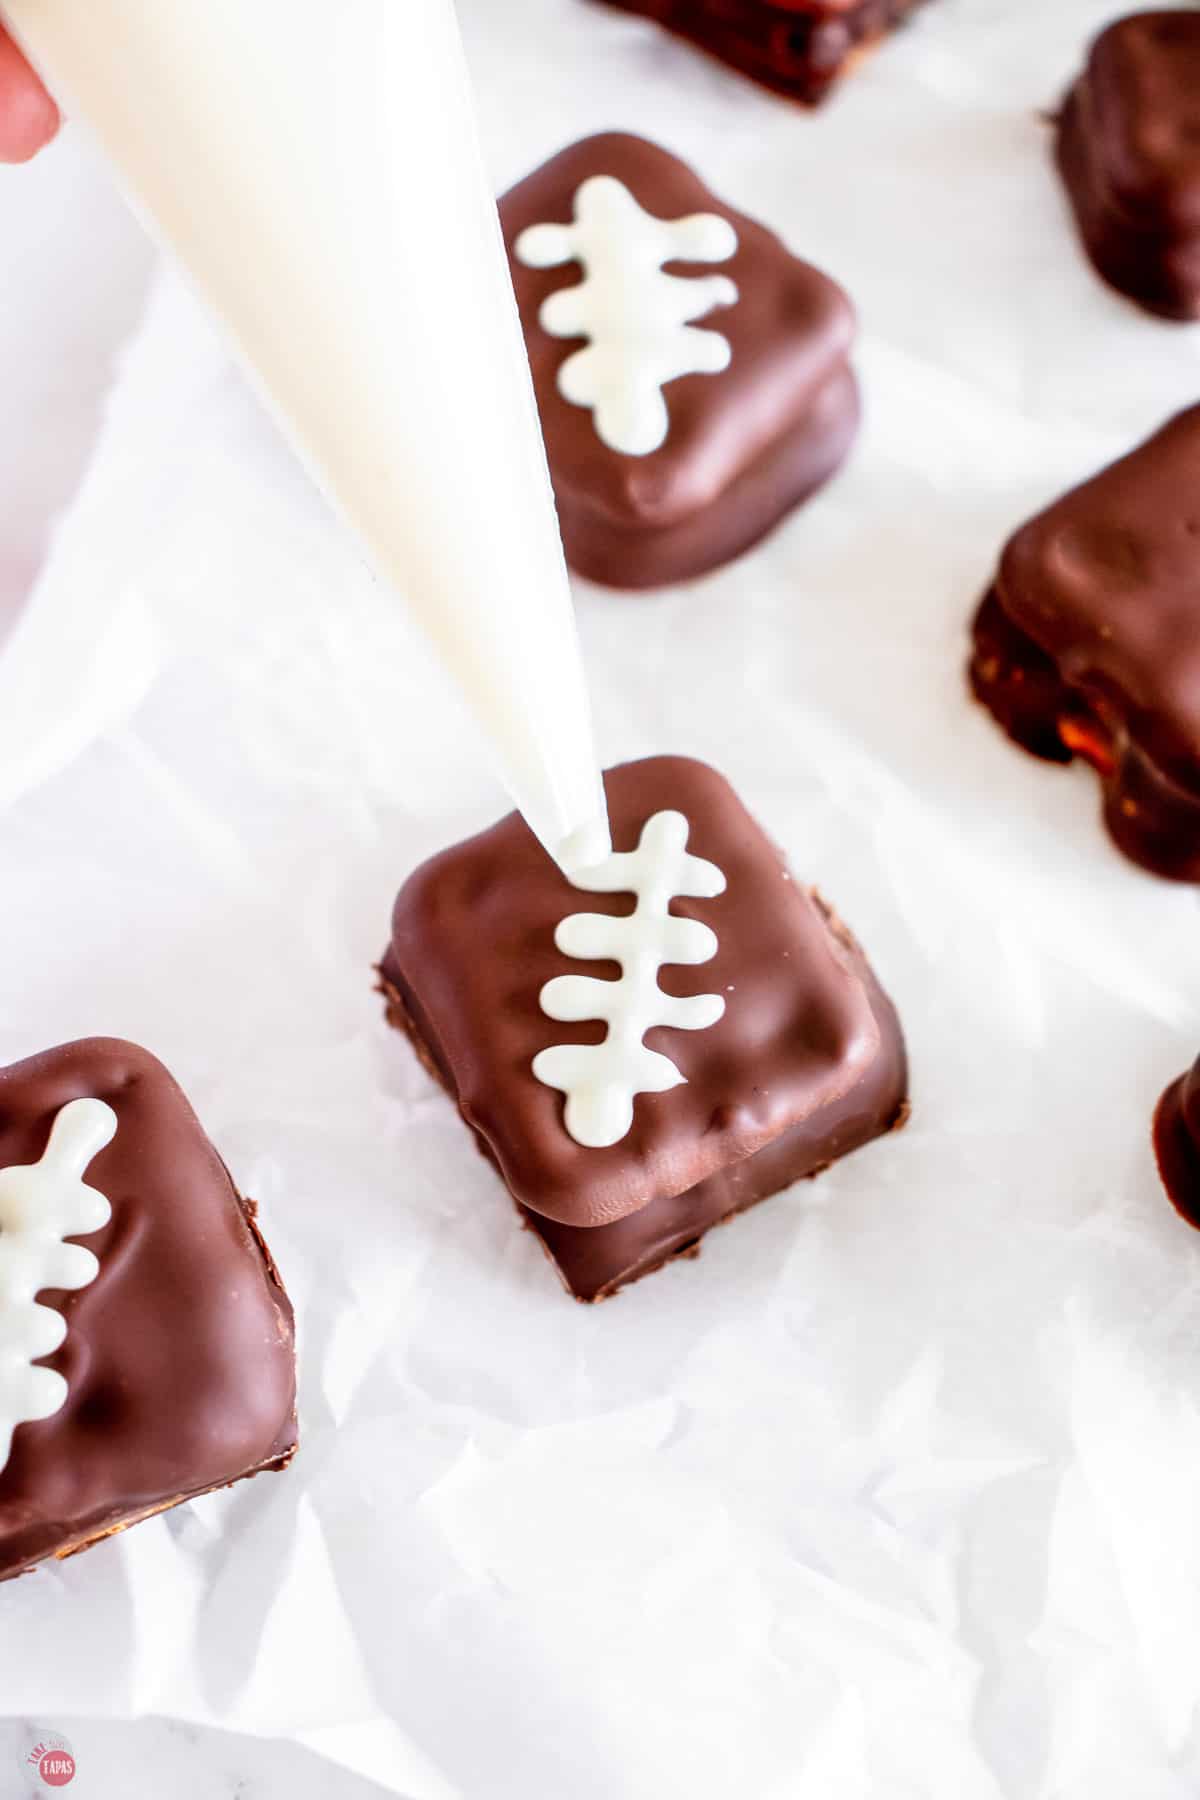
(637, 318)
(601, 1081)
(41, 1205)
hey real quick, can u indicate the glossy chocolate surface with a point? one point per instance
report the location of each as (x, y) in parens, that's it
(1089, 643)
(1177, 1143)
(1128, 148)
(798, 48)
(745, 445)
(179, 1357)
(806, 1064)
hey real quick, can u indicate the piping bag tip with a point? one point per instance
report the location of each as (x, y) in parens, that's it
(584, 848)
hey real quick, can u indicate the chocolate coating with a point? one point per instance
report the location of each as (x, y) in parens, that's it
(1177, 1143)
(1089, 642)
(1128, 147)
(806, 1064)
(745, 446)
(798, 48)
(179, 1356)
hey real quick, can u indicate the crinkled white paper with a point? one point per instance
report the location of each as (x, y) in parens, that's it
(895, 1493)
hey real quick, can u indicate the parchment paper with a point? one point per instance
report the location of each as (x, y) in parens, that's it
(893, 1494)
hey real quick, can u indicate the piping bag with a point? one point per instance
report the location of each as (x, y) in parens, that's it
(315, 166)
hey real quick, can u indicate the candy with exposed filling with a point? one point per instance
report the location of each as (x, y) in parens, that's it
(1088, 644)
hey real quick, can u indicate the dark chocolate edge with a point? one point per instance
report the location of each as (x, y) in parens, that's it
(810, 86)
(1024, 691)
(273, 1464)
(1130, 788)
(1176, 1153)
(398, 1011)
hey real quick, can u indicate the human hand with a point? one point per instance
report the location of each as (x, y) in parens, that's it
(28, 116)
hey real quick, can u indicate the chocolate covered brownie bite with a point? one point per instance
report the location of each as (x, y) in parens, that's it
(1088, 643)
(1128, 145)
(680, 1033)
(799, 48)
(146, 1341)
(692, 375)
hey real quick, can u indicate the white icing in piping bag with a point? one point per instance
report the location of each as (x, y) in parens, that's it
(316, 168)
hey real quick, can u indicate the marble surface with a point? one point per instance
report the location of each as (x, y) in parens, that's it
(157, 1757)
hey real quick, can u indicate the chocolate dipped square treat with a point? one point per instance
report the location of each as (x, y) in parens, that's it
(681, 1032)
(691, 374)
(146, 1345)
(798, 48)
(1128, 145)
(1177, 1143)
(1088, 644)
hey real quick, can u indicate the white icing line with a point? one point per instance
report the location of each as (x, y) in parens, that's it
(600, 1081)
(637, 318)
(42, 1204)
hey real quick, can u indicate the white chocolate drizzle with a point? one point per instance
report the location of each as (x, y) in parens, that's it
(637, 318)
(41, 1205)
(600, 1081)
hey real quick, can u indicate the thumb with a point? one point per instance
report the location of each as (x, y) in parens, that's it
(28, 116)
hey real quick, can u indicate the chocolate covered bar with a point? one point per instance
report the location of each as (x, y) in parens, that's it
(1177, 1143)
(798, 48)
(1128, 145)
(679, 1034)
(691, 374)
(146, 1351)
(1088, 644)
